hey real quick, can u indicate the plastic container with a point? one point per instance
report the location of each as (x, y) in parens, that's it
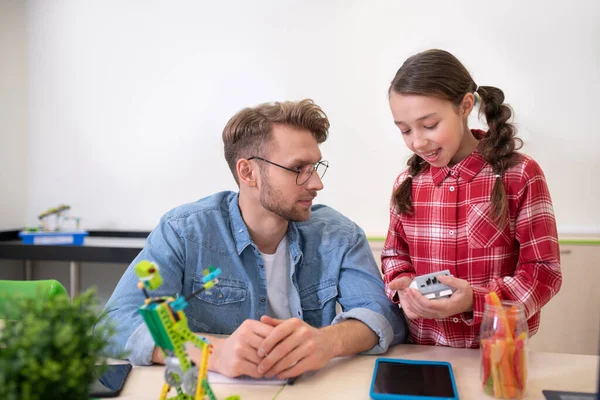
(504, 348)
(53, 238)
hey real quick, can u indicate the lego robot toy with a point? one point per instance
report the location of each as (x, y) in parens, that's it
(168, 326)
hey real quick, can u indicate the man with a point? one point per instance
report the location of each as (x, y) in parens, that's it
(285, 263)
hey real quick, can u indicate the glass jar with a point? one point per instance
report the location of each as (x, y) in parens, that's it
(504, 345)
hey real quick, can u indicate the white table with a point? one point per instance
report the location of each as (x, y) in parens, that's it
(350, 378)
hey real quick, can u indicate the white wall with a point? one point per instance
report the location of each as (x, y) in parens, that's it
(13, 114)
(128, 98)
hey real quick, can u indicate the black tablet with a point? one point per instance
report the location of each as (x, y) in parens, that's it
(558, 395)
(395, 379)
(110, 383)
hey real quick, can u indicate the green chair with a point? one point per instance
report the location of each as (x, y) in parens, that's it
(43, 289)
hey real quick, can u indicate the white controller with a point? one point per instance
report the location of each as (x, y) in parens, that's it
(430, 287)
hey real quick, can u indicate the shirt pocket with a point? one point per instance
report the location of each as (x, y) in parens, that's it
(482, 231)
(316, 301)
(218, 309)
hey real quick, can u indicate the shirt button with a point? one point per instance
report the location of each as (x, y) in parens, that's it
(262, 299)
(262, 266)
(219, 296)
(451, 232)
(451, 188)
(319, 302)
(452, 173)
(455, 320)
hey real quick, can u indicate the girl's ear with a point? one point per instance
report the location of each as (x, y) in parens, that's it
(467, 104)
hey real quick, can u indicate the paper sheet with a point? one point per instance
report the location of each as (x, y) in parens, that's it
(215, 377)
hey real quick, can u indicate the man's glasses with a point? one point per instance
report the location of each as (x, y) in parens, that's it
(304, 173)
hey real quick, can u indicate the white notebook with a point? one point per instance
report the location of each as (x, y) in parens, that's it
(215, 377)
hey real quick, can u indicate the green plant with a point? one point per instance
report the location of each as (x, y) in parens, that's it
(53, 349)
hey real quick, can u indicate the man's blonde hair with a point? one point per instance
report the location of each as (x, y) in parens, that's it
(248, 131)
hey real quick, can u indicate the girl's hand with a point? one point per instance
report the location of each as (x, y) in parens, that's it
(415, 305)
(401, 285)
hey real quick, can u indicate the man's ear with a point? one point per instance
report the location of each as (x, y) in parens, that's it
(467, 105)
(247, 172)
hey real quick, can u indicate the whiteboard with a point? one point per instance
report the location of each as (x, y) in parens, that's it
(128, 99)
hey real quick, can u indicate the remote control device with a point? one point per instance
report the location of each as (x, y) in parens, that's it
(430, 287)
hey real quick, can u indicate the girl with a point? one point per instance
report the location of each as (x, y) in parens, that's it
(468, 202)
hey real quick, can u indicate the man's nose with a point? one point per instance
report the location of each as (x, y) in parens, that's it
(314, 182)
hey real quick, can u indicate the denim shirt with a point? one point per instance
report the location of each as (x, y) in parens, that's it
(331, 261)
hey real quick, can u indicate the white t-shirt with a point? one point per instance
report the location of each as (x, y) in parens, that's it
(277, 268)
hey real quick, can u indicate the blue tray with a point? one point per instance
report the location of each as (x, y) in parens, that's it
(53, 238)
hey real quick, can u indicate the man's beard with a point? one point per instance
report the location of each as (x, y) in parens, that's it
(272, 199)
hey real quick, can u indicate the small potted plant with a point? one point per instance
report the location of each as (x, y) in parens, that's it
(53, 350)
